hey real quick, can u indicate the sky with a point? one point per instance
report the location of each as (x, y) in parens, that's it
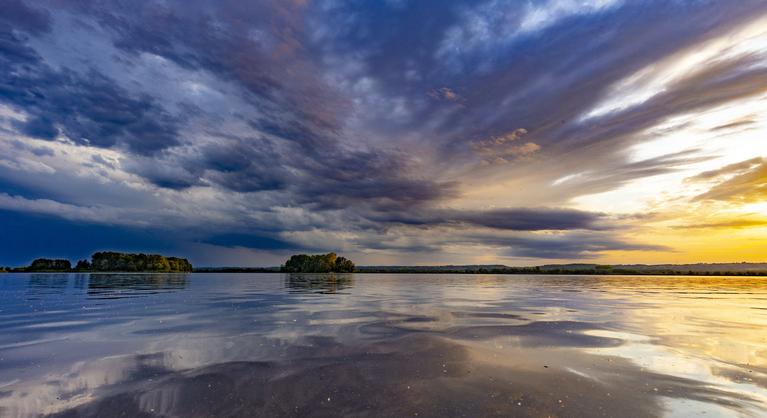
(392, 132)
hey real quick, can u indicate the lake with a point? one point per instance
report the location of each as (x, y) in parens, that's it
(394, 345)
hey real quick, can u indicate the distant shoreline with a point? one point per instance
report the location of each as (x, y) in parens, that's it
(112, 262)
(510, 273)
(260, 271)
(710, 269)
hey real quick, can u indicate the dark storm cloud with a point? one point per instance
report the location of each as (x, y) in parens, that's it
(29, 19)
(56, 237)
(89, 109)
(384, 180)
(564, 247)
(532, 219)
(247, 165)
(259, 46)
(264, 50)
(513, 219)
(572, 245)
(252, 240)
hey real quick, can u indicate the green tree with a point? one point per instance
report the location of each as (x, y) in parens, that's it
(320, 263)
(114, 261)
(344, 265)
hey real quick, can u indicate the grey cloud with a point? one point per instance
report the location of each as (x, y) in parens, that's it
(303, 135)
(165, 170)
(29, 19)
(35, 150)
(533, 219)
(89, 108)
(566, 247)
(570, 245)
(338, 178)
(300, 112)
(513, 219)
(223, 38)
(547, 96)
(246, 165)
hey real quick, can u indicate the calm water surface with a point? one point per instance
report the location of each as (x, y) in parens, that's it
(202, 345)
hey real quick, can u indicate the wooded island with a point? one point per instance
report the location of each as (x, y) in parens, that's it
(110, 261)
(320, 263)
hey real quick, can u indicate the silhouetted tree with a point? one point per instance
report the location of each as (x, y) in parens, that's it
(83, 265)
(45, 264)
(344, 265)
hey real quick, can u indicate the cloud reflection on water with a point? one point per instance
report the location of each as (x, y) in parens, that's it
(387, 345)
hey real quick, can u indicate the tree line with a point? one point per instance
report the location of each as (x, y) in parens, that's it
(111, 261)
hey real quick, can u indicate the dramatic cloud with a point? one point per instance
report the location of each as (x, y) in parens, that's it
(397, 131)
(516, 219)
(568, 247)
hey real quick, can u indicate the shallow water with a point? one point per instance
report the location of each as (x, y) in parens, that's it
(80, 345)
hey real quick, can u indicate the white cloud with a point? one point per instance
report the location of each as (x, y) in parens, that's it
(749, 40)
(499, 22)
(545, 14)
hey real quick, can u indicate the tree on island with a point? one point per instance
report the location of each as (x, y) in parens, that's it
(113, 261)
(44, 264)
(320, 263)
(83, 265)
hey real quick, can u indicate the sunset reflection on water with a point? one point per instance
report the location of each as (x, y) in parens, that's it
(382, 345)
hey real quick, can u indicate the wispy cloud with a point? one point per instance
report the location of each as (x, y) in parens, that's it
(399, 129)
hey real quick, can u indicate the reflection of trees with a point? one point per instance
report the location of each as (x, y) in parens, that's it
(126, 285)
(40, 285)
(318, 283)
